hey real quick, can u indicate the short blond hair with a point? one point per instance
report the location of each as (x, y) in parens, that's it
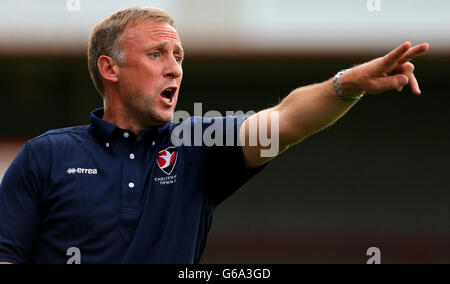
(105, 38)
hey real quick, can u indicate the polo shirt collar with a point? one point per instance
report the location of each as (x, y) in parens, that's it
(104, 131)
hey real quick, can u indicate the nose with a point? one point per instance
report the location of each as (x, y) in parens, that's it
(173, 69)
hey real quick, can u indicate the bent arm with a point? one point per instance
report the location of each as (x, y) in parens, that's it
(309, 109)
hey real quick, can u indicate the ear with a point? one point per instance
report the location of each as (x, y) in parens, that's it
(108, 68)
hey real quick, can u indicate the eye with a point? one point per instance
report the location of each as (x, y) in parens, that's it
(154, 54)
(178, 58)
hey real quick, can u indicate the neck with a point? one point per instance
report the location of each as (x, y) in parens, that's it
(119, 115)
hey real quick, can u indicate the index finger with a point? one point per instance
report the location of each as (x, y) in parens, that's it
(392, 57)
(413, 52)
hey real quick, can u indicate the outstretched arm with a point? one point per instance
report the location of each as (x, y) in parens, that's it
(309, 109)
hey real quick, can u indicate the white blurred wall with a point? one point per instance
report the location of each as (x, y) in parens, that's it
(218, 26)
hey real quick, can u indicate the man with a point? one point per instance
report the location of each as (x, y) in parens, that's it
(119, 190)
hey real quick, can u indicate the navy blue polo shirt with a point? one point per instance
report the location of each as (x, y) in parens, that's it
(115, 198)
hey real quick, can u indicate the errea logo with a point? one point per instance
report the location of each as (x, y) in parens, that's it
(72, 171)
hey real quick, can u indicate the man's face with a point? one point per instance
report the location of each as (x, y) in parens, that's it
(150, 80)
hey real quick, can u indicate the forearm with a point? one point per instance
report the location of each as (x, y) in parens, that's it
(307, 110)
(303, 112)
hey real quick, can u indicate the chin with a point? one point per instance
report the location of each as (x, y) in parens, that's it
(164, 118)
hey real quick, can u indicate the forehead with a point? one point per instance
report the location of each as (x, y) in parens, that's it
(149, 30)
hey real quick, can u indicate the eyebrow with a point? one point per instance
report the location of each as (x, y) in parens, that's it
(178, 48)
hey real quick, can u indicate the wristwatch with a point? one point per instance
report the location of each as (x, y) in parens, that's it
(340, 93)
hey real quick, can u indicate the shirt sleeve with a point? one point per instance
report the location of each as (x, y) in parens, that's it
(20, 195)
(226, 170)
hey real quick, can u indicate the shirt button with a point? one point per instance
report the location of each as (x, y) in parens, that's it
(107, 145)
(131, 185)
(132, 156)
(126, 134)
(153, 143)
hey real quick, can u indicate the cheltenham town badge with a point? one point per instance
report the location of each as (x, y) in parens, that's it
(167, 159)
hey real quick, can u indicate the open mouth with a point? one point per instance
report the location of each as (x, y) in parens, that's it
(169, 93)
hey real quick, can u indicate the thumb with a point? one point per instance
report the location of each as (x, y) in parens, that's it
(391, 82)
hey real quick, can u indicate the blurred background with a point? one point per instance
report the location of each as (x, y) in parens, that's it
(378, 178)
